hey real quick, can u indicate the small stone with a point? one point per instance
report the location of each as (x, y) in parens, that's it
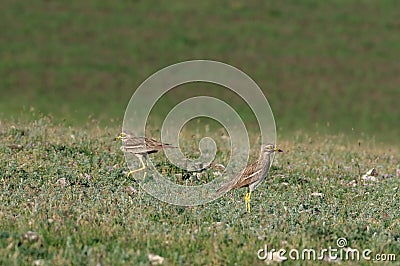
(317, 194)
(62, 182)
(15, 146)
(131, 190)
(155, 259)
(31, 236)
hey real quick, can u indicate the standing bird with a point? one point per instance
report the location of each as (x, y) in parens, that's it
(141, 147)
(253, 174)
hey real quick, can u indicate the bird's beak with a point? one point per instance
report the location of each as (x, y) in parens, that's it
(278, 150)
(120, 136)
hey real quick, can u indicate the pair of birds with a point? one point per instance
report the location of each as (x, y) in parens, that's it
(253, 174)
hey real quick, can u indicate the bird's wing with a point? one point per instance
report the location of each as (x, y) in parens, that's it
(136, 145)
(156, 145)
(248, 175)
(244, 178)
(141, 145)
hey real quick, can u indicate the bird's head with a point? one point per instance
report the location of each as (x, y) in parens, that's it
(270, 148)
(122, 136)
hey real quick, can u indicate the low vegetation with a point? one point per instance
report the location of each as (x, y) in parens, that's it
(66, 200)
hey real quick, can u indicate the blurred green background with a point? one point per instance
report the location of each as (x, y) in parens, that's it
(330, 66)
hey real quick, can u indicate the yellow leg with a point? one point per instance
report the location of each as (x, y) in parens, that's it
(140, 169)
(247, 200)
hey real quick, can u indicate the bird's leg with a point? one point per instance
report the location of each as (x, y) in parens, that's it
(140, 169)
(144, 175)
(247, 199)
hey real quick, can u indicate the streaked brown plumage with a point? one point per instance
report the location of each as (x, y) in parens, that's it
(252, 175)
(141, 146)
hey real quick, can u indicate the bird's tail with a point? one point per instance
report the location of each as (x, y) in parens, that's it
(167, 145)
(225, 188)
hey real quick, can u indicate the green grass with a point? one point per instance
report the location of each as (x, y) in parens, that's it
(330, 73)
(68, 186)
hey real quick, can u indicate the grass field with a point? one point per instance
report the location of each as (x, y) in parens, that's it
(330, 72)
(69, 189)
